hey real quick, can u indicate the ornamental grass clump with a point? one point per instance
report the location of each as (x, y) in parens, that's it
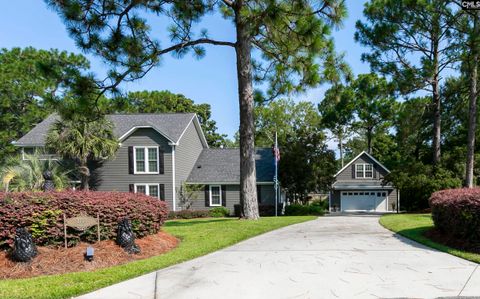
(456, 213)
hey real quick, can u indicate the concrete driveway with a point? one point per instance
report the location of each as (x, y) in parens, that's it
(331, 257)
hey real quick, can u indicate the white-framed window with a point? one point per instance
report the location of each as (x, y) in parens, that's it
(148, 189)
(363, 170)
(145, 159)
(215, 195)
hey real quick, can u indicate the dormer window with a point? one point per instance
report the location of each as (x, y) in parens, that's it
(363, 171)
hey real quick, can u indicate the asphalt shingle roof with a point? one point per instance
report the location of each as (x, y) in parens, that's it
(171, 125)
(223, 166)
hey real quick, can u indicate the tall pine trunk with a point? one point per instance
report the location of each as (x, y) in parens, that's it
(248, 180)
(437, 104)
(473, 94)
(436, 122)
(369, 140)
(340, 146)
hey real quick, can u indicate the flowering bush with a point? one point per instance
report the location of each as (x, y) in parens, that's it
(456, 212)
(42, 214)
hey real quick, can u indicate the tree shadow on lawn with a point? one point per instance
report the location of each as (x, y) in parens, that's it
(188, 222)
(416, 237)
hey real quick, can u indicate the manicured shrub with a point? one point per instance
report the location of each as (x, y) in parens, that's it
(303, 210)
(219, 212)
(456, 213)
(42, 214)
(189, 214)
(323, 204)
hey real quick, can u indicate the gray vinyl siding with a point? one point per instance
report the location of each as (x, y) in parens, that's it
(392, 199)
(232, 198)
(114, 176)
(348, 174)
(186, 154)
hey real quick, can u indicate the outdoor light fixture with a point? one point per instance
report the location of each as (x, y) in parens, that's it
(89, 253)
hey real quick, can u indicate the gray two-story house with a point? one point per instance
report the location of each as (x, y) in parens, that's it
(160, 153)
(359, 187)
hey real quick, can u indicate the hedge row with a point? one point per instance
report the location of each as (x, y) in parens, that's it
(191, 214)
(42, 214)
(456, 213)
(304, 210)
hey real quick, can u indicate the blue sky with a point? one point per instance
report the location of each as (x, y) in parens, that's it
(211, 79)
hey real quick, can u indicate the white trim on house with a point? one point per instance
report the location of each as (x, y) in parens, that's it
(198, 128)
(174, 189)
(147, 188)
(210, 195)
(358, 156)
(364, 170)
(134, 128)
(146, 161)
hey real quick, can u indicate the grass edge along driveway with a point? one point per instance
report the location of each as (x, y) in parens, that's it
(413, 226)
(198, 237)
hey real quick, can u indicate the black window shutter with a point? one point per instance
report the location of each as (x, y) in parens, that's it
(224, 195)
(130, 160)
(207, 196)
(259, 193)
(161, 162)
(353, 171)
(131, 188)
(162, 192)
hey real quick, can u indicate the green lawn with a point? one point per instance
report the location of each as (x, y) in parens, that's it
(413, 227)
(199, 237)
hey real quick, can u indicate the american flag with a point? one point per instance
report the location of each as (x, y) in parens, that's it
(276, 153)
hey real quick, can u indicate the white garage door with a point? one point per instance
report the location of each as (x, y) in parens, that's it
(364, 201)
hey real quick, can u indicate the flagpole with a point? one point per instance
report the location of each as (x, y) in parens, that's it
(276, 175)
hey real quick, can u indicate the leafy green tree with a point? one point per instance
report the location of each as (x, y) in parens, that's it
(165, 101)
(82, 141)
(412, 124)
(411, 40)
(337, 109)
(374, 106)
(25, 88)
(292, 38)
(418, 181)
(26, 173)
(284, 117)
(306, 164)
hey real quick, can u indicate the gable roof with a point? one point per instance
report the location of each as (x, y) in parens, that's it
(170, 125)
(356, 158)
(217, 165)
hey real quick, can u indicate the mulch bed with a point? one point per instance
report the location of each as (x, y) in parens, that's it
(439, 237)
(60, 260)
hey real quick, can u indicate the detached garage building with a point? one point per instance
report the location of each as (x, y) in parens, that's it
(358, 187)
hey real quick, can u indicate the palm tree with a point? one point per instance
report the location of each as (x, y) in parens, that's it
(26, 173)
(83, 141)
